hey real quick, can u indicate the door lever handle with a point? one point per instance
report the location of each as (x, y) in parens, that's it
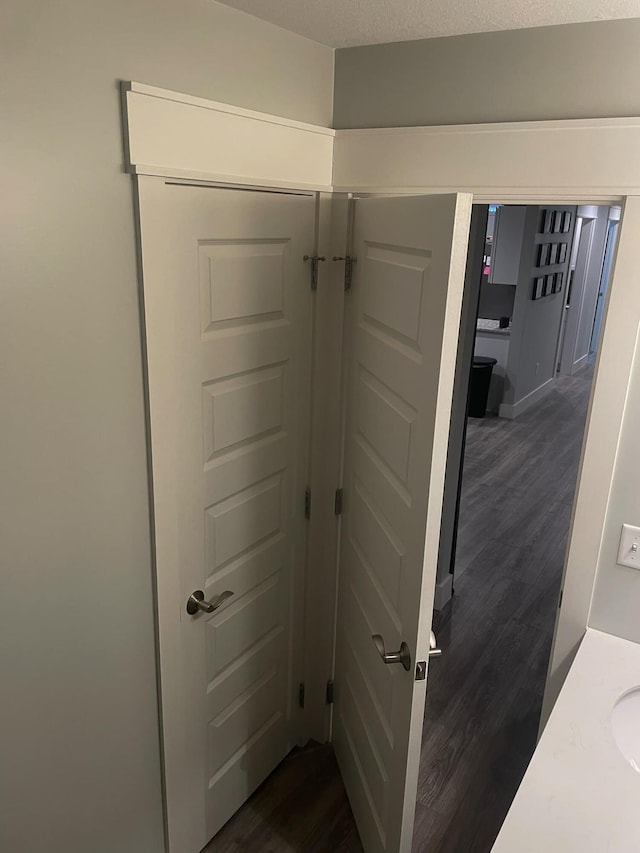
(434, 651)
(196, 602)
(403, 655)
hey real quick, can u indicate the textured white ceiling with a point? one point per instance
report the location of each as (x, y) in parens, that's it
(344, 23)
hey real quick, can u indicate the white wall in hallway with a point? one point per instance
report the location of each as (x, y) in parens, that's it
(592, 285)
(80, 766)
(584, 294)
(607, 267)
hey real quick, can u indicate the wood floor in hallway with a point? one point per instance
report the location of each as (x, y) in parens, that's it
(483, 703)
(485, 693)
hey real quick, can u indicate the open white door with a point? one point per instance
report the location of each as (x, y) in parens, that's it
(405, 314)
(228, 328)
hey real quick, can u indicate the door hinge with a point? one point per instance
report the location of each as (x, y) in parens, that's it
(349, 261)
(314, 268)
(301, 695)
(338, 501)
(307, 503)
(329, 693)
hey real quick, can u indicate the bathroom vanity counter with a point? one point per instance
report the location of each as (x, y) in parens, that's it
(579, 794)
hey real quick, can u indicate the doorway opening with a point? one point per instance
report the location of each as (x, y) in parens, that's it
(536, 288)
(484, 706)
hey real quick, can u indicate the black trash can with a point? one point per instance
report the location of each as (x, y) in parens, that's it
(481, 370)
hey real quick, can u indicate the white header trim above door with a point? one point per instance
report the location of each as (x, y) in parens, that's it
(594, 159)
(175, 135)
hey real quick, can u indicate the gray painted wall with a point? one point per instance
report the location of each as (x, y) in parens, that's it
(570, 71)
(79, 767)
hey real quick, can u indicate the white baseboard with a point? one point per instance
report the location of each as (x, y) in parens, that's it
(579, 364)
(512, 410)
(444, 591)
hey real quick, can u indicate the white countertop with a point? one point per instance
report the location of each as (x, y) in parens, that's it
(579, 795)
(491, 327)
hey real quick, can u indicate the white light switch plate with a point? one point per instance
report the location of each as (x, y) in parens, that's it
(629, 550)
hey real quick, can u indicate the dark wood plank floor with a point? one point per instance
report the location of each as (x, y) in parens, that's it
(485, 693)
(302, 806)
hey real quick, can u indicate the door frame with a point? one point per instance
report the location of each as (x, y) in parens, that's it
(494, 163)
(179, 136)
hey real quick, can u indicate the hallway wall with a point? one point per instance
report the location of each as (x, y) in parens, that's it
(584, 291)
(533, 343)
(591, 286)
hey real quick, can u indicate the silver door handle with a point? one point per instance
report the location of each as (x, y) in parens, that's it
(434, 651)
(402, 656)
(196, 602)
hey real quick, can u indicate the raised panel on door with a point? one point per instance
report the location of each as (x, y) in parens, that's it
(403, 327)
(228, 322)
